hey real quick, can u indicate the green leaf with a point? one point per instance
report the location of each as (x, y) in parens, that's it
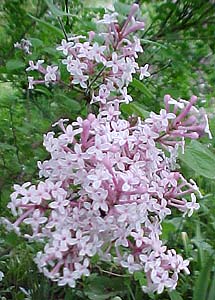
(95, 259)
(199, 158)
(49, 26)
(101, 288)
(43, 90)
(174, 295)
(167, 228)
(144, 41)
(122, 8)
(204, 249)
(136, 109)
(139, 109)
(56, 11)
(142, 88)
(73, 105)
(12, 239)
(203, 281)
(211, 295)
(140, 276)
(197, 240)
(5, 146)
(69, 294)
(15, 64)
(36, 42)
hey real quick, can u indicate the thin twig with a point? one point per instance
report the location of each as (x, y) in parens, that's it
(63, 28)
(112, 273)
(67, 11)
(163, 68)
(97, 76)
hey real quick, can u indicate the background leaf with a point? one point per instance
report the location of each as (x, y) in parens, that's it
(199, 158)
(174, 295)
(203, 281)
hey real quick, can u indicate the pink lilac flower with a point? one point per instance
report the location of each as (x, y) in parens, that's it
(144, 72)
(109, 18)
(30, 82)
(24, 45)
(65, 46)
(51, 73)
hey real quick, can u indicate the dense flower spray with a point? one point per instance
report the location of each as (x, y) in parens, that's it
(109, 183)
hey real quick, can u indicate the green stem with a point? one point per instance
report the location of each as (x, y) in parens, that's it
(63, 28)
(97, 76)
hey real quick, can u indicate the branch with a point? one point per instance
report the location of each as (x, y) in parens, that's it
(63, 28)
(97, 76)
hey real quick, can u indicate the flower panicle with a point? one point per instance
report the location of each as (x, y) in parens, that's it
(109, 182)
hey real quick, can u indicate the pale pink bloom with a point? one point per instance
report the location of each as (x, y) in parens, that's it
(30, 82)
(24, 45)
(100, 146)
(65, 46)
(68, 278)
(138, 237)
(125, 212)
(80, 79)
(144, 72)
(121, 161)
(191, 206)
(162, 119)
(84, 49)
(31, 67)
(137, 45)
(51, 73)
(42, 191)
(120, 235)
(99, 200)
(81, 269)
(36, 219)
(79, 238)
(109, 18)
(97, 52)
(76, 67)
(130, 264)
(126, 98)
(77, 157)
(68, 135)
(130, 180)
(114, 63)
(59, 204)
(110, 113)
(150, 261)
(64, 239)
(176, 103)
(129, 68)
(36, 66)
(162, 280)
(98, 176)
(103, 95)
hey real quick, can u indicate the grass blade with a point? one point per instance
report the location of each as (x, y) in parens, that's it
(203, 281)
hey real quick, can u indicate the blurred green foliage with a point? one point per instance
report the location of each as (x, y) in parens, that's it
(178, 44)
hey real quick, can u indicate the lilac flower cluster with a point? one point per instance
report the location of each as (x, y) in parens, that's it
(109, 183)
(110, 66)
(24, 45)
